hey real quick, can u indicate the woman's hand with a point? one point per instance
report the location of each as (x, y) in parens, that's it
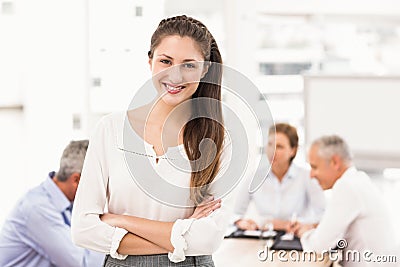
(299, 229)
(284, 225)
(206, 208)
(246, 224)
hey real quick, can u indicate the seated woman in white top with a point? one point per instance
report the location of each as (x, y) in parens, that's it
(287, 192)
(133, 165)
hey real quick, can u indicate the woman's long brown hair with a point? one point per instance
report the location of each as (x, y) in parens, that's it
(210, 124)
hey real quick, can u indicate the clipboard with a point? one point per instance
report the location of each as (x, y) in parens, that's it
(257, 234)
(279, 244)
(294, 244)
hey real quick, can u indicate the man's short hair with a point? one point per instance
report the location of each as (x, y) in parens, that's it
(72, 159)
(330, 145)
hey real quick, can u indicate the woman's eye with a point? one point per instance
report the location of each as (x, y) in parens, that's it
(165, 61)
(189, 65)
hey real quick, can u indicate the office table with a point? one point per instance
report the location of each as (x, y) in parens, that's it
(244, 252)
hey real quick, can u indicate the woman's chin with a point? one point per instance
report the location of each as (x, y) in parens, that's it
(173, 100)
(276, 165)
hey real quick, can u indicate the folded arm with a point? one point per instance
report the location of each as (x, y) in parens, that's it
(151, 234)
(135, 245)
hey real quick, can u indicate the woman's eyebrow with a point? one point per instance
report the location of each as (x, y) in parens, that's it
(169, 57)
(164, 55)
(189, 60)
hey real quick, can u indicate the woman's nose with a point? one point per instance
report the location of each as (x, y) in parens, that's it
(175, 74)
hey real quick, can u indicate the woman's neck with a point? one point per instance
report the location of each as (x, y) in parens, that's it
(280, 171)
(159, 112)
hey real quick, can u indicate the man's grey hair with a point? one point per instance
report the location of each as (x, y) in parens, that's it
(72, 159)
(330, 145)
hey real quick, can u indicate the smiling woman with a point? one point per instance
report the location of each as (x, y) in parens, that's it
(183, 78)
(287, 193)
(186, 66)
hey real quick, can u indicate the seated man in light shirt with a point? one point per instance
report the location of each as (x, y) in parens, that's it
(37, 232)
(288, 193)
(356, 214)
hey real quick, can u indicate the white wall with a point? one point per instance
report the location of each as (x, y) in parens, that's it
(361, 109)
(54, 63)
(50, 51)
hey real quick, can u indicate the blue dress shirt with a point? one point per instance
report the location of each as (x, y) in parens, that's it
(37, 232)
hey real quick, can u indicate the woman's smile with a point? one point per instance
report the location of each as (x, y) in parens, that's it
(173, 89)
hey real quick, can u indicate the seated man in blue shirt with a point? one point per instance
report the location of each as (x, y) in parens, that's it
(37, 232)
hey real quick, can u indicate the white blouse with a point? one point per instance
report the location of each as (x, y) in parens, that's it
(357, 213)
(296, 193)
(107, 184)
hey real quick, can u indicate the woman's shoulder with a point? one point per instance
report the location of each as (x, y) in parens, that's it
(108, 125)
(111, 119)
(111, 128)
(115, 116)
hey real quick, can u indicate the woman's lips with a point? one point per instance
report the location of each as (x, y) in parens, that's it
(173, 89)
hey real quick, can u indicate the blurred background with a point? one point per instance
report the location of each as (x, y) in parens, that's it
(324, 66)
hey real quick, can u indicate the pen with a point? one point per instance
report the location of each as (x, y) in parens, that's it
(293, 220)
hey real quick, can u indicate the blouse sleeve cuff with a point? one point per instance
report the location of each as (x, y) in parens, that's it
(305, 239)
(119, 233)
(179, 228)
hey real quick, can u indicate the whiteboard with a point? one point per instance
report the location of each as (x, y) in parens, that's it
(363, 110)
